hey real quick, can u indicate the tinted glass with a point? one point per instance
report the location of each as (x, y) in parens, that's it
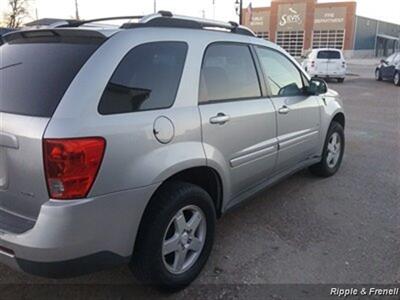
(283, 76)
(35, 75)
(147, 78)
(228, 72)
(328, 54)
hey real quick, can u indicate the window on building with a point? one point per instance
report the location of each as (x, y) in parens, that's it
(263, 35)
(147, 78)
(291, 41)
(283, 76)
(328, 39)
(228, 72)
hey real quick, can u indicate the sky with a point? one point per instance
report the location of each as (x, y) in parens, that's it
(387, 10)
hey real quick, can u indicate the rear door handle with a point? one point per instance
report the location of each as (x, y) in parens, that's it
(284, 110)
(220, 119)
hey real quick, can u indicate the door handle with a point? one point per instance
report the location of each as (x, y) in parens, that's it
(220, 119)
(284, 110)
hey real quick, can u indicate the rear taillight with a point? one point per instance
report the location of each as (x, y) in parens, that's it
(71, 165)
(312, 64)
(343, 64)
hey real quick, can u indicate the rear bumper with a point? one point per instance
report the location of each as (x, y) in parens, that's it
(328, 75)
(78, 237)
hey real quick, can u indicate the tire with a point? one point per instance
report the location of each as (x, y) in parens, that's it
(378, 75)
(396, 78)
(329, 166)
(148, 263)
(340, 80)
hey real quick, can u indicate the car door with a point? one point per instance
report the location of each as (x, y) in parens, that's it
(388, 68)
(321, 63)
(238, 122)
(298, 114)
(334, 62)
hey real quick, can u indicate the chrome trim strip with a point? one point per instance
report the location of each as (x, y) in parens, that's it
(252, 156)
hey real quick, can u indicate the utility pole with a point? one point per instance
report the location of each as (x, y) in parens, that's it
(213, 2)
(241, 12)
(77, 10)
(155, 6)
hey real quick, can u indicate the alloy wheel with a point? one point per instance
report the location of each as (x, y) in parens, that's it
(334, 150)
(184, 239)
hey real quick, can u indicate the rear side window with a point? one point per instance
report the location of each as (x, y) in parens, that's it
(228, 72)
(328, 54)
(147, 78)
(35, 73)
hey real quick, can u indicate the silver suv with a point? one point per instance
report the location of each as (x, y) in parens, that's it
(124, 145)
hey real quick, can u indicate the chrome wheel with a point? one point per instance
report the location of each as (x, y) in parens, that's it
(184, 239)
(334, 150)
(397, 78)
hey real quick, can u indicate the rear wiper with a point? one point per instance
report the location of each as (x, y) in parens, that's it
(10, 66)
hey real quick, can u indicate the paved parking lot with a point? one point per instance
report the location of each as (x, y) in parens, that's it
(305, 230)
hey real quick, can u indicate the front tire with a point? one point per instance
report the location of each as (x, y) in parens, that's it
(333, 152)
(396, 78)
(378, 75)
(175, 237)
(340, 80)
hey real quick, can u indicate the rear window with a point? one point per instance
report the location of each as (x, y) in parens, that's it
(328, 54)
(35, 73)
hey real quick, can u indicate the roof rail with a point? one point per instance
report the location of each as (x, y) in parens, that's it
(77, 23)
(160, 19)
(167, 19)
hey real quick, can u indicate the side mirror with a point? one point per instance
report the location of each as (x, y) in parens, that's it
(383, 61)
(317, 87)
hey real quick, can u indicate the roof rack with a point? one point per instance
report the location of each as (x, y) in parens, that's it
(167, 19)
(161, 19)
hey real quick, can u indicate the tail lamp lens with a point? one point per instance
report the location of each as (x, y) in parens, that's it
(71, 166)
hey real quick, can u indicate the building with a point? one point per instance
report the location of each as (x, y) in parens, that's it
(300, 25)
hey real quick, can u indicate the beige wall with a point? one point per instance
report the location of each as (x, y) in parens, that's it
(330, 18)
(291, 17)
(260, 22)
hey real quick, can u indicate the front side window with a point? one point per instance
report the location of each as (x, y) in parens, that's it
(147, 78)
(228, 73)
(283, 77)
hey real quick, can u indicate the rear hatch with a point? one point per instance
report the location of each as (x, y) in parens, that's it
(36, 69)
(329, 62)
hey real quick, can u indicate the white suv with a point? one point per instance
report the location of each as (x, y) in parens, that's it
(327, 63)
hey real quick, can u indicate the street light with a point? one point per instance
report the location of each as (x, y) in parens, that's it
(239, 8)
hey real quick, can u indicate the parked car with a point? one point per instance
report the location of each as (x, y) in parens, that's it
(389, 69)
(326, 63)
(148, 134)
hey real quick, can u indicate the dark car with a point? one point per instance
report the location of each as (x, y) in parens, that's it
(389, 69)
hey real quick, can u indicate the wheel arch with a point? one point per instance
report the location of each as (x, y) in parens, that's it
(339, 118)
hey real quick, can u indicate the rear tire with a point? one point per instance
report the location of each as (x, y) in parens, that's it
(340, 80)
(396, 78)
(333, 152)
(378, 75)
(168, 213)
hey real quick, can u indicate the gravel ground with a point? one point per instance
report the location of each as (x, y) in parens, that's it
(302, 232)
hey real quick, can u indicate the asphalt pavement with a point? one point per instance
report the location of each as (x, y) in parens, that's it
(302, 232)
